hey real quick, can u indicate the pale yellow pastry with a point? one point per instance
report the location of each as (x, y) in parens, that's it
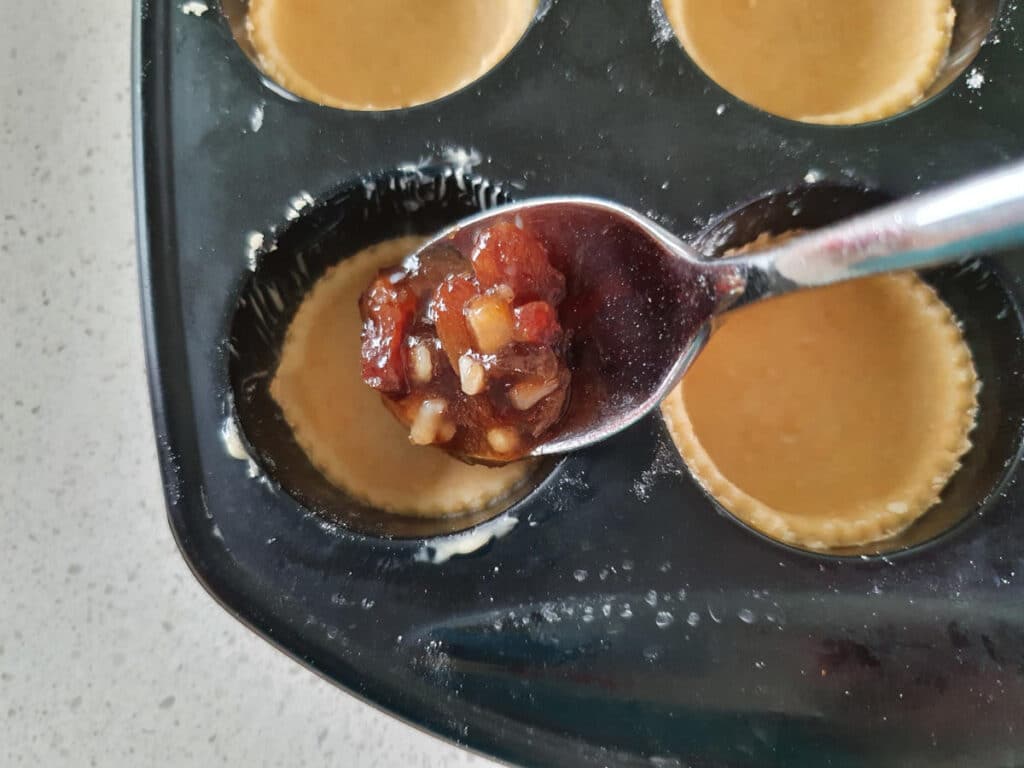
(383, 54)
(830, 417)
(819, 61)
(341, 423)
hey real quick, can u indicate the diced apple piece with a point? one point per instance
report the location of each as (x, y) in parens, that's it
(526, 394)
(428, 422)
(503, 439)
(421, 363)
(491, 321)
(471, 375)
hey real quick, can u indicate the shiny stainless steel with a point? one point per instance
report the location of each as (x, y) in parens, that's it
(982, 214)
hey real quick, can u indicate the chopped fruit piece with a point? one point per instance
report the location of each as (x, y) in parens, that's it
(471, 375)
(471, 359)
(427, 424)
(388, 309)
(536, 323)
(503, 440)
(449, 307)
(421, 364)
(490, 319)
(504, 253)
(527, 394)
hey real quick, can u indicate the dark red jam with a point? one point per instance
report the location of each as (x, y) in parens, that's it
(470, 353)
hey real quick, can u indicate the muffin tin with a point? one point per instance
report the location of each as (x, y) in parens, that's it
(612, 614)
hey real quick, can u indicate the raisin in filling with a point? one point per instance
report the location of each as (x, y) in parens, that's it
(470, 353)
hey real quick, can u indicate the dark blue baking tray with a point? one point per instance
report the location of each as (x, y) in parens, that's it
(614, 615)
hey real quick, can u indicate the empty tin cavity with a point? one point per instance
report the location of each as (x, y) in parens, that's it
(377, 54)
(832, 63)
(990, 325)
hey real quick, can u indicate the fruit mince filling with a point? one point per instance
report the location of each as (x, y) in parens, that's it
(469, 354)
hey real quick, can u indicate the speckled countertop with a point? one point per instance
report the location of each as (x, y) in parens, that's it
(111, 653)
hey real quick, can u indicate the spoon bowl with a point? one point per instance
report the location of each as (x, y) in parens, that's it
(638, 306)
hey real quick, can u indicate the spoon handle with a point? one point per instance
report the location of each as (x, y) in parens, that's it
(982, 214)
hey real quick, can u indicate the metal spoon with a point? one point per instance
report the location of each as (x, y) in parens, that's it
(640, 301)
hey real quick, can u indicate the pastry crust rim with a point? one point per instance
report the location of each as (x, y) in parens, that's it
(889, 519)
(911, 90)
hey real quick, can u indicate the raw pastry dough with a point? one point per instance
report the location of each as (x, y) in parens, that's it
(830, 417)
(819, 61)
(341, 423)
(382, 54)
